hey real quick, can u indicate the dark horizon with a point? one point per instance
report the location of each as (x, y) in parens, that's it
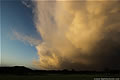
(104, 69)
(25, 70)
(21, 72)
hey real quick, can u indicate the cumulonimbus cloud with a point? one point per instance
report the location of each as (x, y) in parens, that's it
(78, 34)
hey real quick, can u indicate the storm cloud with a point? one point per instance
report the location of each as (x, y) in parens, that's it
(78, 34)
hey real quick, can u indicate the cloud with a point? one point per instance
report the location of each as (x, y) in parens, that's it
(31, 40)
(27, 3)
(76, 34)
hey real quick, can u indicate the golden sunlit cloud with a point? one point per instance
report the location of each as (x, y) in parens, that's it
(77, 34)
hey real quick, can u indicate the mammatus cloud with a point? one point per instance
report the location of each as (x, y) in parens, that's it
(78, 34)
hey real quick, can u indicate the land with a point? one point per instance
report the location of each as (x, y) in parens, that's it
(23, 73)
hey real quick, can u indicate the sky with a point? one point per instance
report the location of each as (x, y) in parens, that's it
(16, 17)
(80, 35)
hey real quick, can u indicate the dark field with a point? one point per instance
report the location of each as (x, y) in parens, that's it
(53, 77)
(23, 73)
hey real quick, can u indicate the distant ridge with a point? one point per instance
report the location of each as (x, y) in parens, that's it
(21, 70)
(14, 70)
